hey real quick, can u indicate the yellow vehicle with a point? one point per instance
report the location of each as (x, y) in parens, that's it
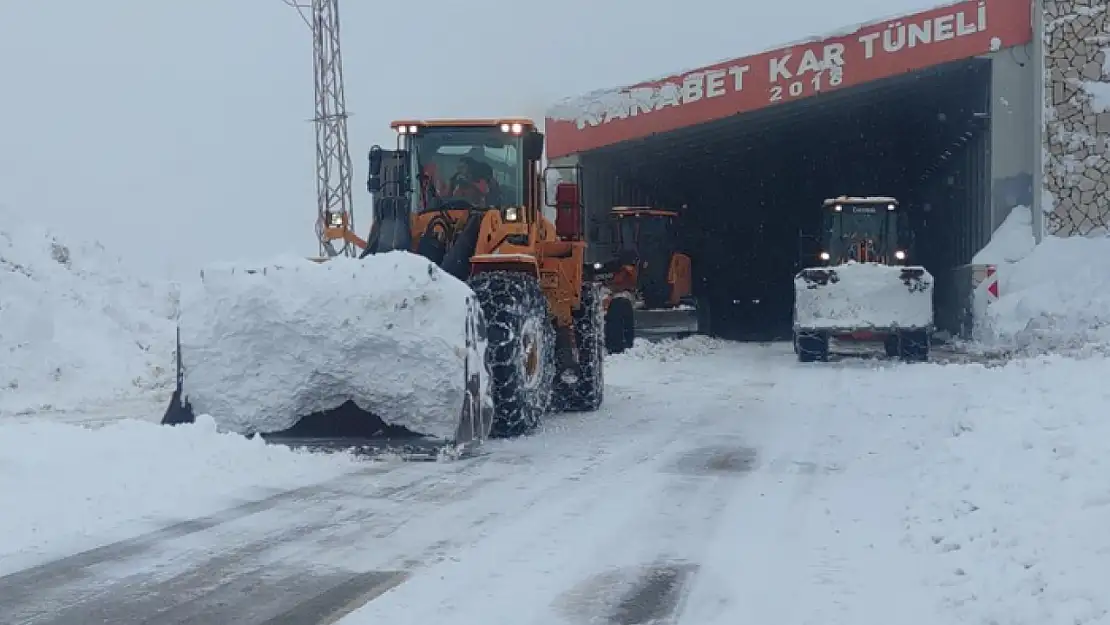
(468, 195)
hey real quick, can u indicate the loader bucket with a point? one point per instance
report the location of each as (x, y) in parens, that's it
(383, 355)
(863, 296)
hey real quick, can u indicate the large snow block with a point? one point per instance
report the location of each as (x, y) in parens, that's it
(265, 345)
(863, 296)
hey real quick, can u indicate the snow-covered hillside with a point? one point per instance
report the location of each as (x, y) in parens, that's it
(74, 326)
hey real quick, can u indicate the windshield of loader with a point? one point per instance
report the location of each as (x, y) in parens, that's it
(860, 232)
(481, 165)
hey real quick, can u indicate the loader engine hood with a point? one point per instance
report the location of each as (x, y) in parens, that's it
(856, 296)
(263, 346)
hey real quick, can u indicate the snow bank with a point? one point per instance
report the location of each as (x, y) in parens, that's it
(63, 487)
(73, 326)
(262, 348)
(1012, 503)
(1011, 241)
(863, 295)
(1058, 296)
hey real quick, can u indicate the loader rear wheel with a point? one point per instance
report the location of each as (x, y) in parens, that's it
(520, 350)
(587, 392)
(620, 326)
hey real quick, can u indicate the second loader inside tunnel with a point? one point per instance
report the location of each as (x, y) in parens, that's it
(467, 315)
(750, 188)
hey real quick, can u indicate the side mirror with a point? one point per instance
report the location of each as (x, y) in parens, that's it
(533, 146)
(568, 218)
(374, 174)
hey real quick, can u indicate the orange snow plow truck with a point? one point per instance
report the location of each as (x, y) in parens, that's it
(467, 314)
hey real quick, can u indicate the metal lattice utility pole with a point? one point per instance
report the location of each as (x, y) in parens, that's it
(333, 158)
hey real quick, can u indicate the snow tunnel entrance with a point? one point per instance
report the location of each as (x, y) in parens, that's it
(752, 183)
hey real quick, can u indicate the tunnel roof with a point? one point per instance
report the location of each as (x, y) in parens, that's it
(871, 52)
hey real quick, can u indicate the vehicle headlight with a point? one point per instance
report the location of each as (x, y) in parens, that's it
(824, 256)
(900, 255)
(597, 265)
(512, 213)
(335, 220)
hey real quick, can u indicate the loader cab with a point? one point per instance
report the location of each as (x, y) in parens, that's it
(471, 165)
(863, 230)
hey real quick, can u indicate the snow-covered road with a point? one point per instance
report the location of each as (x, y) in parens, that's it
(726, 483)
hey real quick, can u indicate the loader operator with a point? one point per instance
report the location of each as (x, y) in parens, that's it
(472, 182)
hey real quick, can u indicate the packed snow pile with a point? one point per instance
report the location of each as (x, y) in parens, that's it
(668, 350)
(263, 345)
(1012, 503)
(73, 325)
(863, 295)
(1011, 241)
(64, 485)
(1056, 297)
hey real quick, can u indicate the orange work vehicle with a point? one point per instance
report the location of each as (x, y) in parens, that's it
(651, 287)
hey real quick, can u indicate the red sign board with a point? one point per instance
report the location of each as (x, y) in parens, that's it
(881, 50)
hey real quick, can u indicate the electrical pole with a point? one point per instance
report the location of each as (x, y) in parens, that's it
(335, 210)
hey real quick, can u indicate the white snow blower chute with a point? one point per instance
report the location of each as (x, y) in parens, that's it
(860, 286)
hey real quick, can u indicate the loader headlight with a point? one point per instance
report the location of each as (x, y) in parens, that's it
(515, 128)
(890, 207)
(598, 266)
(335, 220)
(410, 130)
(824, 256)
(900, 255)
(512, 214)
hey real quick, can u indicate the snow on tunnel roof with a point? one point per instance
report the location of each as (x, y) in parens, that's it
(853, 199)
(796, 71)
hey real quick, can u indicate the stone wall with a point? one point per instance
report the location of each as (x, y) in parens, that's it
(1077, 116)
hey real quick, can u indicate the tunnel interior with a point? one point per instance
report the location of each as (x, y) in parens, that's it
(752, 183)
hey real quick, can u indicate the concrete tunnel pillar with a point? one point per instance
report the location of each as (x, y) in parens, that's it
(1012, 145)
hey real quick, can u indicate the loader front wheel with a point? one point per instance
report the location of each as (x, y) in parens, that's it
(811, 346)
(520, 350)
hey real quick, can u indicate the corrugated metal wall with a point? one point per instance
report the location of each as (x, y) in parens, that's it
(953, 212)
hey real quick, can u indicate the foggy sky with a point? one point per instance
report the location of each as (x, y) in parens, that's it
(175, 132)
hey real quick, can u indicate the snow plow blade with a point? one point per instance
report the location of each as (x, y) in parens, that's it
(667, 322)
(859, 296)
(381, 355)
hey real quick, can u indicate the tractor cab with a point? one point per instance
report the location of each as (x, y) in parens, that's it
(646, 241)
(863, 230)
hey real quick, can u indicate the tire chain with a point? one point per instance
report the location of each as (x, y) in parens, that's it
(588, 392)
(508, 300)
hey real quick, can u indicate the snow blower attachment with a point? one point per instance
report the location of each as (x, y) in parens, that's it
(467, 316)
(861, 289)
